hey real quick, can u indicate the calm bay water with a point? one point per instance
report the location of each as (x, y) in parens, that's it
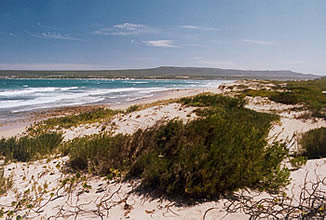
(19, 96)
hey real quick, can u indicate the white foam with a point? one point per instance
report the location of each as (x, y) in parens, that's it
(68, 97)
(59, 105)
(28, 99)
(30, 91)
(135, 82)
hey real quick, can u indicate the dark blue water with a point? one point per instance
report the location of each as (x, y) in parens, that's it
(25, 95)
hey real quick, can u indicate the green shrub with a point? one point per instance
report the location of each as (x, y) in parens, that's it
(314, 143)
(288, 98)
(222, 151)
(100, 153)
(297, 161)
(209, 157)
(205, 100)
(97, 153)
(307, 92)
(29, 148)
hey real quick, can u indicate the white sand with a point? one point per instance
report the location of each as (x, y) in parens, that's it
(129, 123)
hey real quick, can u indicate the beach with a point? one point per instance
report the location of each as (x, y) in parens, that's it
(121, 200)
(157, 110)
(24, 101)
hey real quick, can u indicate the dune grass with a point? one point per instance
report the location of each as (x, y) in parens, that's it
(5, 182)
(28, 148)
(313, 143)
(57, 123)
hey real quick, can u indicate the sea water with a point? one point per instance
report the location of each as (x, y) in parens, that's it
(19, 96)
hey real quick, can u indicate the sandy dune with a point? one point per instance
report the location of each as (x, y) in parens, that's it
(88, 197)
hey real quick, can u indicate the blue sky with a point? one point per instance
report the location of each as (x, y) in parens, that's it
(107, 34)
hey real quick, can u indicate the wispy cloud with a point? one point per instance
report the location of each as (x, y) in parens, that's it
(39, 24)
(129, 26)
(201, 28)
(8, 34)
(258, 42)
(160, 43)
(55, 36)
(124, 29)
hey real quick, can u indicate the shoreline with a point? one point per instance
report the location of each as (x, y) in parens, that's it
(11, 129)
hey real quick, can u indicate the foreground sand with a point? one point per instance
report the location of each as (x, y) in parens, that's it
(89, 197)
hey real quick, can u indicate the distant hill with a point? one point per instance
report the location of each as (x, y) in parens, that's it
(164, 72)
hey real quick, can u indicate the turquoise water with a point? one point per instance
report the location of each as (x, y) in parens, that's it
(26, 95)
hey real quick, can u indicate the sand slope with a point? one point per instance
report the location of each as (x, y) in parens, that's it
(56, 194)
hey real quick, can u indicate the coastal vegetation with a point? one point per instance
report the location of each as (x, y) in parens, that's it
(28, 148)
(310, 93)
(214, 155)
(313, 143)
(222, 151)
(92, 116)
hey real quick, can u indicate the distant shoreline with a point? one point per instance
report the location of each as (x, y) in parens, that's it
(163, 72)
(44, 78)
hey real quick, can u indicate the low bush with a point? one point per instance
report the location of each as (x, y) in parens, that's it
(207, 100)
(100, 153)
(297, 160)
(222, 151)
(288, 98)
(314, 143)
(29, 148)
(97, 153)
(209, 157)
(311, 93)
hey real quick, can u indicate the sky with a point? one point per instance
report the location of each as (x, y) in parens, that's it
(109, 34)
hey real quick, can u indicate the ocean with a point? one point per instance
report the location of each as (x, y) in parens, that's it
(19, 96)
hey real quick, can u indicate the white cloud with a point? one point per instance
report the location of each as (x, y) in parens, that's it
(194, 27)
(124, 29)
(190, 27)
(129, 26)
(258, 42)
(160, 43)
(54, 35)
